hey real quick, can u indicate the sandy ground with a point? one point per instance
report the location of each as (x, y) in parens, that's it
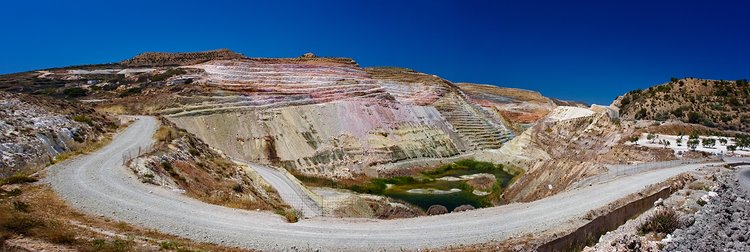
(100, 185)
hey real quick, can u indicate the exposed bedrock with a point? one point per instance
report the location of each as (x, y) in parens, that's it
(329, 117)
(336, 139)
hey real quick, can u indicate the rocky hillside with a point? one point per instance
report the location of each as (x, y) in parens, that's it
(569, 144)
(36, 130)
(182, 162)
(713, 103)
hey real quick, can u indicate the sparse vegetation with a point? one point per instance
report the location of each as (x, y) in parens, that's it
(712, 103)
(130, 91)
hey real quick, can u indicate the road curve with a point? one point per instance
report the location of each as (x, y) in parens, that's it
(289, 191)
(98, 184)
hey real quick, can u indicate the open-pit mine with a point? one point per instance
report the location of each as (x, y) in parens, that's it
(219, 151)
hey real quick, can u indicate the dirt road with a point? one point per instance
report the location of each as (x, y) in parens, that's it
(100, 185)
(289, 191)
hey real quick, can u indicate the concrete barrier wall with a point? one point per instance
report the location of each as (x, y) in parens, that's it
(589, 234)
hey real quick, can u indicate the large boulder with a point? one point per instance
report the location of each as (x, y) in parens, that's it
(437, 210)
(462, 208)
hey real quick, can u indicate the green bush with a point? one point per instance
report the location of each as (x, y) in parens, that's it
(75, 92)
(130, 91)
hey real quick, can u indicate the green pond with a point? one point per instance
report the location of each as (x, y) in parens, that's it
(461, 194)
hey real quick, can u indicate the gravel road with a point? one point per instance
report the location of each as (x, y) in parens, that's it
(744, 176)
(289, 191)
(100, 185)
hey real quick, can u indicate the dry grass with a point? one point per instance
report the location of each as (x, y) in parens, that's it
(114, 109)
(50, 220)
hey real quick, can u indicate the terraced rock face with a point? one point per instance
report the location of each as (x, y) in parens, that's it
(518, 108)
(317, 116)
(329, 117)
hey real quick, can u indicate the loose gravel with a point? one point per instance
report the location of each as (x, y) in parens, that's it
(723, 224)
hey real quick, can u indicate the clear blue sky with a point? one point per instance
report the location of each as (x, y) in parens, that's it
(590, 51)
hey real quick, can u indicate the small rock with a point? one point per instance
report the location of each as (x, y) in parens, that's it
(462, 208)
(659, 202)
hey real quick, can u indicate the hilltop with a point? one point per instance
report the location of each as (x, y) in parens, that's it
(720, 104)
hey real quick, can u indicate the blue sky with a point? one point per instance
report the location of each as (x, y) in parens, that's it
(589, 51)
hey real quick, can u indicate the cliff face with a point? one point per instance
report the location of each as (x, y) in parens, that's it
(329, 117)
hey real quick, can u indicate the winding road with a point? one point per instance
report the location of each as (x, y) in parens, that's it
(100, 185)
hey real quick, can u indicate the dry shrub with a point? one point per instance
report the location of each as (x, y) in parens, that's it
(166, 134)
(664, 221)
(56, 232)
(19, 224)
(291, 215)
